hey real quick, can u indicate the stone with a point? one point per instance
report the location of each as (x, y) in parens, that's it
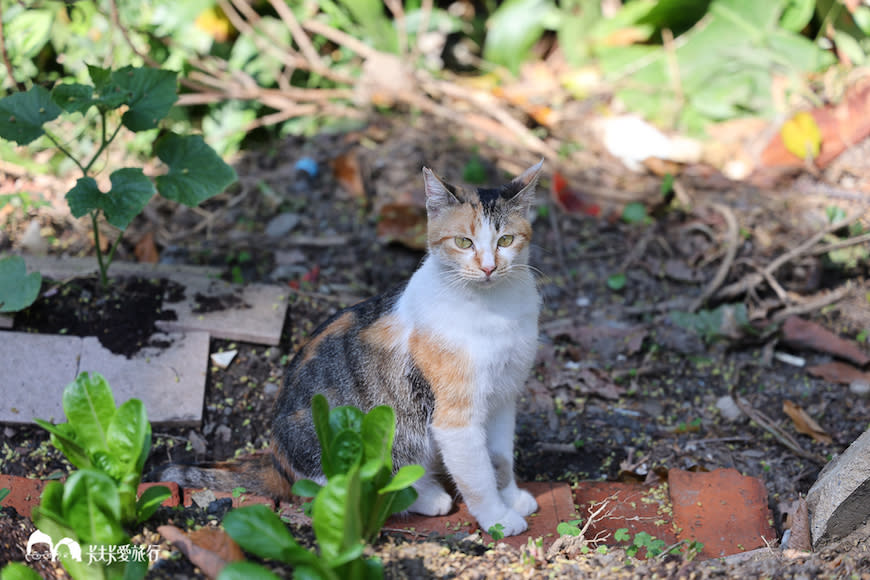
(839, 500)
(281, 225)
(223, 359)
(170, 382)
(31, 387)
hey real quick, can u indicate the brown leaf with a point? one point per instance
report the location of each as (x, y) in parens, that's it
(571, 201)
(838, 372)
(210, 549)
(607, 342)
(346, 169)
(146, 250)
(405, 224)
(597, 382)
(802, 333)
(800, 528)
(804, 423)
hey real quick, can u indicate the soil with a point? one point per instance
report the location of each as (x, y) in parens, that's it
(620, 389)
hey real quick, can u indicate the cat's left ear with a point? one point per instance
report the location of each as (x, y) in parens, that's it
(524, 185)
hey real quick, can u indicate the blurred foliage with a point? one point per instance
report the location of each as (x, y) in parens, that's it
(681, 64)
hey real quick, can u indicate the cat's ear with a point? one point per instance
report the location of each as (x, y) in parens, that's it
(439, 194)
(524, 185)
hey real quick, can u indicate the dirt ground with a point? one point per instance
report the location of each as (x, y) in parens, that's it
(620, 388)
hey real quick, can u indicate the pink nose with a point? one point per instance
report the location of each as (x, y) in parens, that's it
(488, 270)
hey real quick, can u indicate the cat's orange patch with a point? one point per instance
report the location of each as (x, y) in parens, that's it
(460, 219)
(384, 333)
(338, 326)
(450, 376)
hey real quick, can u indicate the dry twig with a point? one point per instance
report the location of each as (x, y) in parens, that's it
(732, 239)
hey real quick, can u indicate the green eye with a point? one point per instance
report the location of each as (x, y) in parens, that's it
(505, 241)
(463, 243)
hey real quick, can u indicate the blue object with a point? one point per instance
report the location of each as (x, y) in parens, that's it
(308, 165)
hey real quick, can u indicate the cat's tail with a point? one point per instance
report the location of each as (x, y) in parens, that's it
(259, 473)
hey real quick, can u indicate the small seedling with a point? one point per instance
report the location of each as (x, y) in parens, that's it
(496, 531)
(616, 282)
(570, 528)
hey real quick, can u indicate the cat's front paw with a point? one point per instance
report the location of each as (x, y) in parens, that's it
(511, 523)
(520, 500)
(432, 501)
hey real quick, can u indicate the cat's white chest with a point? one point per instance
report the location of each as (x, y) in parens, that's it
(497, 328)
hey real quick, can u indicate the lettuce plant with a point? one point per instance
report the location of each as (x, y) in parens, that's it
(98, 504)
(145, 95)
(349, 511)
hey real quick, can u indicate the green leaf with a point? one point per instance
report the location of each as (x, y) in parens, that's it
(196, 172)
(345, 418)
(621, 535)
(89, 407)
(151, 93)
(306, 488)
(634, 212)
(259, 531)
(797, 14)
(107, 95)
(23, 114)
(73, 97)
(92, 507)
(129, 195)
(513, 29)
(346, 451)
(63, 437)
(18, 289)
(246, 571)
(126, 434)
(336, 519)
(150, 500)
(378, 430)
(616, 282)
(402, 500)
(17, 571)
(405, 477)
(722, 322)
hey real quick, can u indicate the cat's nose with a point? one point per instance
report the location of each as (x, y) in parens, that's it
(488, 270)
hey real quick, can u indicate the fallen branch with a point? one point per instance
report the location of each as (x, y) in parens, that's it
(732, 239)
(750, 281)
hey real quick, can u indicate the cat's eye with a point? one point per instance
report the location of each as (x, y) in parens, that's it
(463, 243)
(505, 241)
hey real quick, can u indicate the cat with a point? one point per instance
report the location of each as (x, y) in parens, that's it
(450, 351)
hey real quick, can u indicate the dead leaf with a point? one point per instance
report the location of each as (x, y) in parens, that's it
(597, 382)
(405, 224)
(146, 250)
(346, 169)
(800, 528)
(607, 342)
(804, 423)
(838, 372)
(801, 136)
(209, 550)
(801, 333)
(571, 201)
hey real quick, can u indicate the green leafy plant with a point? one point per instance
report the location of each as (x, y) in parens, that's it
(569, 528)
(496, 531)
(18, 289)
(17, 571)
(98, 503)
(133, 98)
(616, 282)
(347, 512)
(3, 493)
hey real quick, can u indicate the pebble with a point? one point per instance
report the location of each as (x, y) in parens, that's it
(223, 359)
(860, 388)
(728, 408)
(307, 165)
(270, 388)
(223, 433)
(197, 442)
(282, 224)
(219, 507)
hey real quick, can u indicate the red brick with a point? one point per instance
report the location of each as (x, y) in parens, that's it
(555, 505)
(242, 499)
(634, 506)
(722, 509)
(173, 500)
(24, 492)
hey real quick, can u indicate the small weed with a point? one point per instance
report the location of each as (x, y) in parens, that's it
(496, 531)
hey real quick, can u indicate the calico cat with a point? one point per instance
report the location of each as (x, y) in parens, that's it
(450, 351)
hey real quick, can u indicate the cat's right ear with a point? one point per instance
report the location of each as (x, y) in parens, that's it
(439, 194)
